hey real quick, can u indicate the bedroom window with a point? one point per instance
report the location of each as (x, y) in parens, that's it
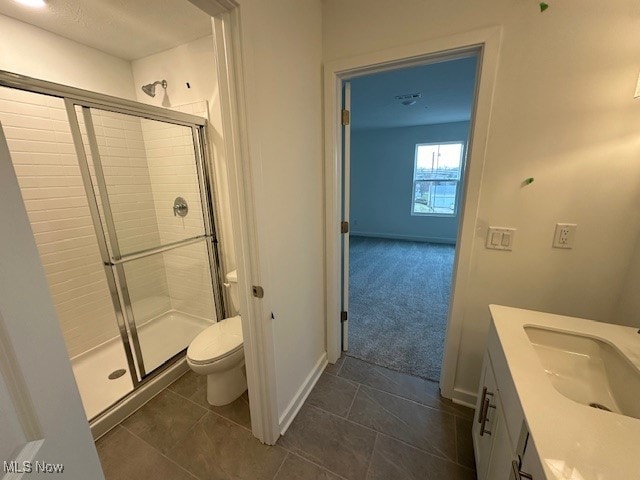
(436, 178)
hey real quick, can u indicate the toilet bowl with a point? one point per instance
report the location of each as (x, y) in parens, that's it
(218, 353)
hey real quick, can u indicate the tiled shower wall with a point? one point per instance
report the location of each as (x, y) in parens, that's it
(126, 174)
(44, 158)
(172, 169)
(39, 139)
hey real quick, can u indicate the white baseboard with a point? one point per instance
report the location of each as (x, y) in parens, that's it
(303, 392)
(449, 241)
(463, 397)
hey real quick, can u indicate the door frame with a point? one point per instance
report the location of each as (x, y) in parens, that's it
(346, 212)
(487, 43)
(256, 325)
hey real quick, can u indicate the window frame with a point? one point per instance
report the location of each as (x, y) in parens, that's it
(458, 181)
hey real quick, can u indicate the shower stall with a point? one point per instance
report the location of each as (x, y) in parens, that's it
(119, 196)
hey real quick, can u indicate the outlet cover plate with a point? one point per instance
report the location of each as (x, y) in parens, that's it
(565, 235)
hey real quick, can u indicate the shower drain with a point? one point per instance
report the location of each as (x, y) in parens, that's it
(599, 406)
(117, 374)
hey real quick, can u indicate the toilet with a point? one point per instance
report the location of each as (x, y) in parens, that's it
(218, 353)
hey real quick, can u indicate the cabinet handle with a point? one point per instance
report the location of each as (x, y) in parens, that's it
(519, 474)
(485, 410)
(483, 428)
(484, 398)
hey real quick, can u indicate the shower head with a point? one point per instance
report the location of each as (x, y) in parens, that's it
(150, 89)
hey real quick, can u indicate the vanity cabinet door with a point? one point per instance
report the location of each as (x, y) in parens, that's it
(487, 419)
(531, 461)
(502, 456)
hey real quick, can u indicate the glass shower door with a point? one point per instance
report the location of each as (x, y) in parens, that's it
(150, 189)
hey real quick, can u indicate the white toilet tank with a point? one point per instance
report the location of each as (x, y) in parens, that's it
(232, 284)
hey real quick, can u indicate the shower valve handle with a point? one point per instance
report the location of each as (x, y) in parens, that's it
(180, 207)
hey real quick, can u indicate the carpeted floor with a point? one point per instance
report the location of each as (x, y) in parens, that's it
(398, 303)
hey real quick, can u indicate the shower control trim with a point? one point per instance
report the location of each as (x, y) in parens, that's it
(180, 207)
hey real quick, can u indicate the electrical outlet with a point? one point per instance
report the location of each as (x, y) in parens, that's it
(564, 236)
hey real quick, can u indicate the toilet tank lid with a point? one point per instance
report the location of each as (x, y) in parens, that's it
(232, 276)
(216, 341)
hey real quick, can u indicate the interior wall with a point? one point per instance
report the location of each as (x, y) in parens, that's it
(282, 48)
(628, 311)
(193, 63)
(382, 164)
(34, 52)
(562, 113)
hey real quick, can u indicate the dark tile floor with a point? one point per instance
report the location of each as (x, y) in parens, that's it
(360, 421)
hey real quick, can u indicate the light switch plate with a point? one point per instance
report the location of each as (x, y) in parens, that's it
(500, 238)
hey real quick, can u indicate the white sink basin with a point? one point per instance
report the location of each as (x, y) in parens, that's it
(588, 370)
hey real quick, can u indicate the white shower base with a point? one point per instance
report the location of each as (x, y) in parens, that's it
(92, 370)
(168, 334)
(160, 339)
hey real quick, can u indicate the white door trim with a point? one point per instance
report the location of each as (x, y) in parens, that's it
(346, 204)
(487, 42)
(41, 405)
(257, 330)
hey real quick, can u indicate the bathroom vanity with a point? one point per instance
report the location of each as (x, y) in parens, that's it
(559, 398)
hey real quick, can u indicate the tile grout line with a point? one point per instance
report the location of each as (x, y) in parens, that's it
(373, 430)
(341, 364)
(281, 465)
(428, 453)
(162, 453)
(431, 407)
(316, 464)
(208, 410)
(204, 414)
(455, 438)
(391, 414)
(396, 394)
(373, 450)
(231, 421)
(353, 400)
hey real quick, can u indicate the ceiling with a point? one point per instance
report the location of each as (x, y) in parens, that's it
(447, 90)
(128, 29)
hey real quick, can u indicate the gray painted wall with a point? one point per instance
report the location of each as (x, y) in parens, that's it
(382, 163)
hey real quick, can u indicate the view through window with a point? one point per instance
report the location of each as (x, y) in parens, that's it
(436, 176)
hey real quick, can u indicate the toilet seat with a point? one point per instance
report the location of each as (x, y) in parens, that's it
(216, 342)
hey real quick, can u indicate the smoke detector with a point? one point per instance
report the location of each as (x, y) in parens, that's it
(408, 99)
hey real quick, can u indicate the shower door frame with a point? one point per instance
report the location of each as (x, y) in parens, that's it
(112, 258)
(87, 100)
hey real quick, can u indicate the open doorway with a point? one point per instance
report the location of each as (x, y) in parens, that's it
(404, 174)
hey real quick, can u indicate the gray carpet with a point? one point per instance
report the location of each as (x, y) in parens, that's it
(398, 303)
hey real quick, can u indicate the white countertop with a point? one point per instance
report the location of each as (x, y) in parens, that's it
(573, 441)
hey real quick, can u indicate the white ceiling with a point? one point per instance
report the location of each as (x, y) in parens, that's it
(128, 29)
(447, 90)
